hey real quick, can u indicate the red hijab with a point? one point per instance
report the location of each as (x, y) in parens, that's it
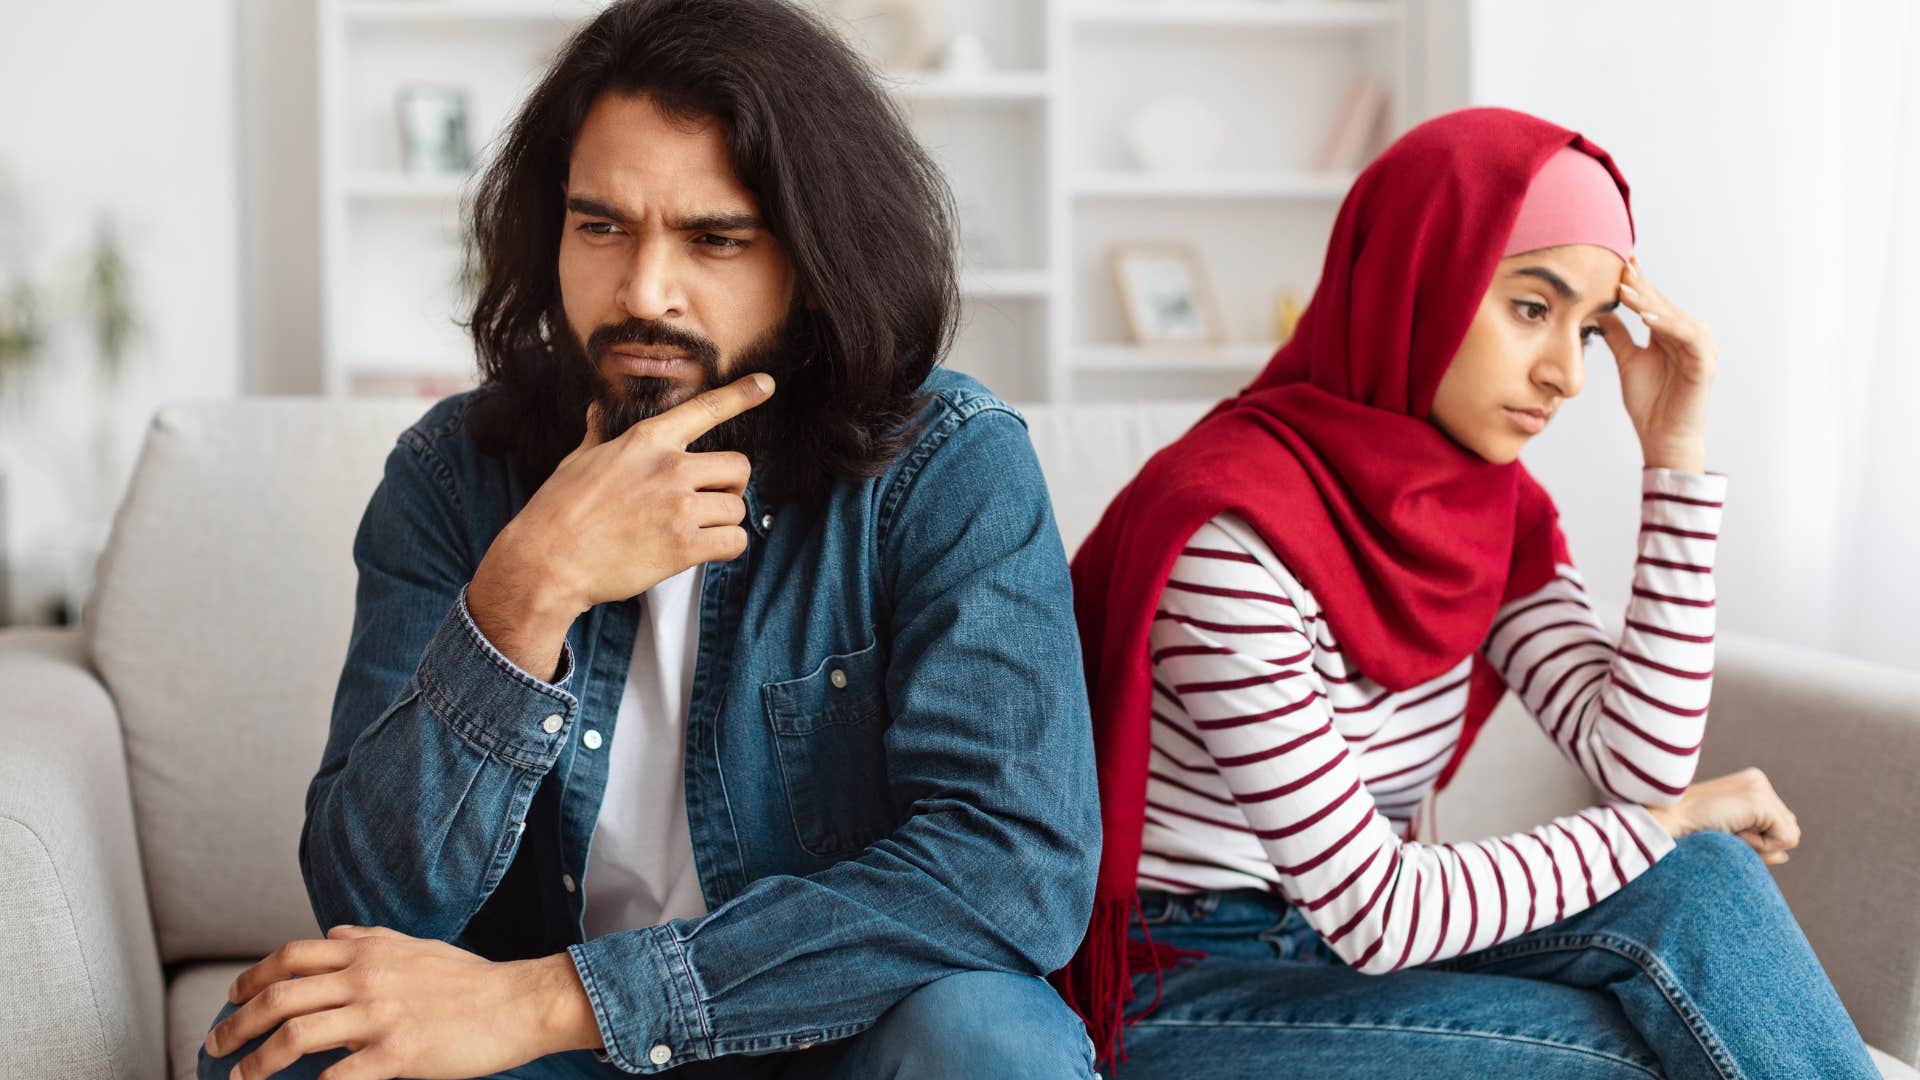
(1409, 541)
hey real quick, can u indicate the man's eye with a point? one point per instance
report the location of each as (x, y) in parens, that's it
(724, 243)
(597, 228)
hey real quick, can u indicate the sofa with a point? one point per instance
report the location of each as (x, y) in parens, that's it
(155, 760)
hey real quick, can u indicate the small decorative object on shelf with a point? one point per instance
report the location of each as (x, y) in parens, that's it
(965, 55)
(1287, 310)
(433, 131)
(1356, 128)
(1175, 134)
(897, 35)
(1165, 295)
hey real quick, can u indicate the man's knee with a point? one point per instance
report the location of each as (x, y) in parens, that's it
(220, 1068)
(981, 1023)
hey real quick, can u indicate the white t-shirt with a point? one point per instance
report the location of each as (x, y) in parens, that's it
(640, 868)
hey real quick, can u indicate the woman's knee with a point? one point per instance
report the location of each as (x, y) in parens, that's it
(1712, 857)
(1707, 876)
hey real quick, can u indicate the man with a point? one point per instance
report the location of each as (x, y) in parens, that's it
(713, 702)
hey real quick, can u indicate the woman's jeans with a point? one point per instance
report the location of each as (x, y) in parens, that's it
(1695, 969)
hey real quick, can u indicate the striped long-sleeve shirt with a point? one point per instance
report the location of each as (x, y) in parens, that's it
(1277, 765)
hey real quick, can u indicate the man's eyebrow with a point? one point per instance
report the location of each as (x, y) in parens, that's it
(592, 207)
(717, 221)
(705, 221)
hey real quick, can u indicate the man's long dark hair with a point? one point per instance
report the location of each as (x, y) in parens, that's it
(863, 213)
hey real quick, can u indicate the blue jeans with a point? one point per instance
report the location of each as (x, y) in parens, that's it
(975, 1024)
(1695, 969)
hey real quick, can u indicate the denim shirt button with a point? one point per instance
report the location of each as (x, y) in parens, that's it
(660, 1054)
(591, 739)
(838, 678)
(566, 882)
(766, 522)
(551, 724)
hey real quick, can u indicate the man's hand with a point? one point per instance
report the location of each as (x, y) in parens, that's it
(616, 518)
(405, 1006)
(1742, 803)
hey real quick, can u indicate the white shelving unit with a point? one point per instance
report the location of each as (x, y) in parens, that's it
(1034, 149)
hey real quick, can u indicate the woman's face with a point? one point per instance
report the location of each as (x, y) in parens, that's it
(1524, 354)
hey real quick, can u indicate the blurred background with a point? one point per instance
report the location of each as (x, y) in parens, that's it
(211, 198)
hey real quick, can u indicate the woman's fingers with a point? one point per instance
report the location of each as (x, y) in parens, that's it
(1619, 339)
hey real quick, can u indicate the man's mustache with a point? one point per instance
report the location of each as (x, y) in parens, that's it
(697, 348)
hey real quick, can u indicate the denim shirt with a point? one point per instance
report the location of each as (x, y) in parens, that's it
(888, 759)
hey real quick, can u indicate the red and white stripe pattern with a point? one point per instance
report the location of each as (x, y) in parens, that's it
(1276, 765)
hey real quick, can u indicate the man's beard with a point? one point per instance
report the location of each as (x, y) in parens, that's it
(626, 400)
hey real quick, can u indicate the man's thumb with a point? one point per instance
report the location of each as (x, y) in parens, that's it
(592, 437)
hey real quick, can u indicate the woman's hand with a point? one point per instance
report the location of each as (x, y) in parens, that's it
(1665, 383)
(1742, 803)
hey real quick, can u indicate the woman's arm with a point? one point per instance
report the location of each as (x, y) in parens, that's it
(1233, 653)
(1630, 717)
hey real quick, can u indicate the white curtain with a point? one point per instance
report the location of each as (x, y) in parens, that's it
(1876, 69)
(1775, 156)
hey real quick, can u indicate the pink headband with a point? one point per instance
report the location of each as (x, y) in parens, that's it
(1572, 200)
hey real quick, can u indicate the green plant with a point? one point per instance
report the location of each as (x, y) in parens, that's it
(19, 328)
(109, 299)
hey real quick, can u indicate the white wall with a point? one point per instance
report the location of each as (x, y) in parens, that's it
(280, 178)
(126, 110)
(1726, 117)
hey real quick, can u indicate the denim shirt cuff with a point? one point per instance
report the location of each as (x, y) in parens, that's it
(473, 688)
(644, 998)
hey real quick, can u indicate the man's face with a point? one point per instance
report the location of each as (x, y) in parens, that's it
(670, 281)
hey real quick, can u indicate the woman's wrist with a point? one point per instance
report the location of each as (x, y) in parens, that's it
(1667, 819)
(1688, 456)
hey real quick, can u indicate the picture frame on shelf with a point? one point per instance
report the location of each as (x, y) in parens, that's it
(434, 139)
(1165, 295)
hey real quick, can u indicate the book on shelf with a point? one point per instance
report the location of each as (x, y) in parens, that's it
(1355, 127)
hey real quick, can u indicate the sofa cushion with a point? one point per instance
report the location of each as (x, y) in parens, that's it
(219, 619)
(194, 998)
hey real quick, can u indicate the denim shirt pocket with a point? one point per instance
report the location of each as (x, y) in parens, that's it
(829, 731)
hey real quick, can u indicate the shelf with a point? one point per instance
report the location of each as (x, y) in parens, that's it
(1205, 358)
(1220, 185)
(1005, 284)
(1001, 86)
(403, 187)
(1238, 14)
(420, 365)
(410, 11)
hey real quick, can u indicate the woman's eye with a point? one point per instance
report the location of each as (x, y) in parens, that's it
(1587, 333)
(1530, 310)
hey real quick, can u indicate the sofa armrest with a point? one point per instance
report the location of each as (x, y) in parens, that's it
(1840, 739)
(80, 982)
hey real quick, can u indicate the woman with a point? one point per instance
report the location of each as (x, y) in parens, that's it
(1298, 615)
